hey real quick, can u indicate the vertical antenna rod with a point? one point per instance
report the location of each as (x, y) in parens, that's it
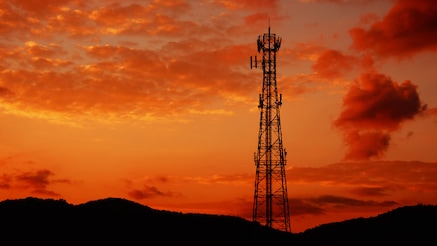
(270, 207)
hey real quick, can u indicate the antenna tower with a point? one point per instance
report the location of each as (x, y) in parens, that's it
(270, 207)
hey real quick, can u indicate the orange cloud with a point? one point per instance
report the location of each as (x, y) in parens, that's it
(333, 64)
(156, 18)
(73, 22)
(370, 191)
(366, 145)
(39, 7)
(36, 181)
(21, 176)
(407, 29)
(12, 21)
(132, 82)
(37, 50)
(338, 185)
(42, 19)
(331, 200)
(74, 75)
(388, 183)
(431, 111)
(5, 181)
(80, 20)
(335, 192)
(374, 106)
(256, 18)
(391, 175)
(377, 102)
(148, 192)
(340, 1)
(174, 6)
(115, 14)
(229, 179)
(247, 4)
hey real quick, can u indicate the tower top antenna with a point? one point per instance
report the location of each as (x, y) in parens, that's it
(269, 24)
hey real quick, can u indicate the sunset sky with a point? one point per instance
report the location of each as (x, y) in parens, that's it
(154, 101)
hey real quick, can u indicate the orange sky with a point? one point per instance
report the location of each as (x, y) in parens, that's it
(155, 101)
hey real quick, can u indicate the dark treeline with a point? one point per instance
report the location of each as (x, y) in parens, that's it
(115, 221)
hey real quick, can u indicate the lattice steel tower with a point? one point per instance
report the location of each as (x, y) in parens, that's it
(270, 207)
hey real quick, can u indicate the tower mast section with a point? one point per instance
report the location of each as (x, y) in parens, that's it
(270, 207)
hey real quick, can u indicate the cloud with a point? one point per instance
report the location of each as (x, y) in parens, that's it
(246, 4)
(72, 82)
(5, 92)
(40, 7)
(302, 207)
(386, 183)
(302, 52)
(38, 181)
(256, 18)
(333, 64)
(235, 179)
(20, 175)
(223, 179)
(130, 82)
(410, 27)
(116, 14)
(370, 191)
(81, 20)
(241, 207)
(373, 107)
(390, 176)
(88, 60)
(330, 69)
(322, 204)
(340, 201)
(336, 191)
(339, 1)
(366, 145)
(5, 181)
(12, 21)
(148, 192)
(431, 111)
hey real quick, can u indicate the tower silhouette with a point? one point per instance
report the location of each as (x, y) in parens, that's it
(270, 207)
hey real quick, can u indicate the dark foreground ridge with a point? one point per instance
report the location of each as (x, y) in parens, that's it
(116, 221)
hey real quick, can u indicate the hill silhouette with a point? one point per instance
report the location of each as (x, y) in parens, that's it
(116, 221)
(408, 225)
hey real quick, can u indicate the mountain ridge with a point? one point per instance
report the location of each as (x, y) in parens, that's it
(121, 221)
